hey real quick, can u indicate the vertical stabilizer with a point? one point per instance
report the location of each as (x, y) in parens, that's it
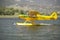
(54, 15)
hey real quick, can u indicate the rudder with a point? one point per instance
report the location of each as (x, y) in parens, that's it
(54, 15)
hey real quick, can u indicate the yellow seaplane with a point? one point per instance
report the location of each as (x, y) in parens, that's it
(35, 15)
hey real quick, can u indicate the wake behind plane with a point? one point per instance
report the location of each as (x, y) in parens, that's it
(35, 15)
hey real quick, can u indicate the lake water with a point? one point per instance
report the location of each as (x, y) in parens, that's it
(10, 31)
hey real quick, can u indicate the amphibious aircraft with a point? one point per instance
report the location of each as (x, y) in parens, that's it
(35, 15)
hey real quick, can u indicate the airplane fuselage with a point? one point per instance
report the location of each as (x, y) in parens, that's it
(53, 16)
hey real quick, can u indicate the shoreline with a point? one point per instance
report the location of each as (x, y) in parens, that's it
(14, 16)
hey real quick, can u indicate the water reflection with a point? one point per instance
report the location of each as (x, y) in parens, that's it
(34, 28)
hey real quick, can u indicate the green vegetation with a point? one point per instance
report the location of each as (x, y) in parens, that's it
(14, 11)
(10, 11)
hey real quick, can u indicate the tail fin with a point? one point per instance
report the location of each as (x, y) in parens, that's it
(54, 15)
